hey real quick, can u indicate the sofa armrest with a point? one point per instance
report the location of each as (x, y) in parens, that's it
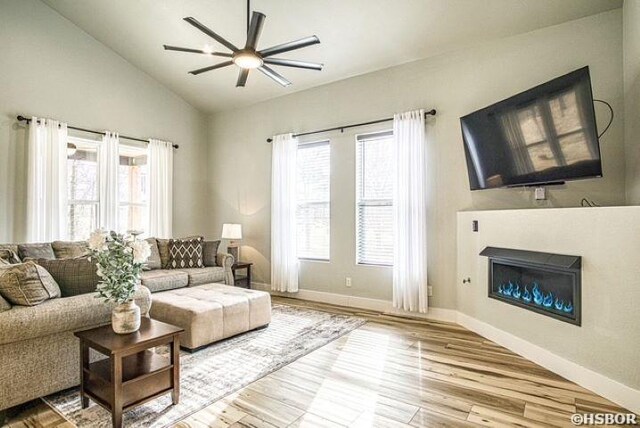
(226, 260)
(60, 315)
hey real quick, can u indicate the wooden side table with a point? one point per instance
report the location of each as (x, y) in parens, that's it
(133, 374)
(244, 280)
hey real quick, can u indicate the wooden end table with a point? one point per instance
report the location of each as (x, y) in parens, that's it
(132, 375)
(245, 280)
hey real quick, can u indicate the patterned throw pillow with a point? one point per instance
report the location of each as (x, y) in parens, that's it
(210, 252)
(74, 276)
(27, 284)
(185, 253)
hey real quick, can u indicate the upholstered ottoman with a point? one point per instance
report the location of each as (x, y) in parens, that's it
(211, 312)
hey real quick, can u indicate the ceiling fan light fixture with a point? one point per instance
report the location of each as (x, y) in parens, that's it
(247, 60)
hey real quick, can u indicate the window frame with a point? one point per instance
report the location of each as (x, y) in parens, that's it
(80, 142)
(360, 201)
(306, 145)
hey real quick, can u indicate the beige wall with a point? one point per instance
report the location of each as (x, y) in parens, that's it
(608, 341)
(455, 84)
(631, 61)
(51, 68)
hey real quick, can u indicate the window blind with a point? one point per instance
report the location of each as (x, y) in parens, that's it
(313, 200)
(374, 199)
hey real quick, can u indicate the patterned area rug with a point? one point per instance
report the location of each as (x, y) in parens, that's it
(220, 369)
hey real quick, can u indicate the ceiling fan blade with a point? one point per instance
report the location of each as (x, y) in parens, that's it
(257, 22)
(274, 75)
(290, 46)
(198, 51)
(242, 77)
(210, 33)
(211, 67)
(293, 63)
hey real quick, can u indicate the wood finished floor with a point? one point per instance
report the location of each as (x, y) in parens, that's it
(391, 372)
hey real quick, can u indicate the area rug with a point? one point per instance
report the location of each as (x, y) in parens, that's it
(220, 369)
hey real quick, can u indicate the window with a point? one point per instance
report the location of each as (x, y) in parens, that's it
(133, 189)
(374, 199)
(313, 195)
(83, 194)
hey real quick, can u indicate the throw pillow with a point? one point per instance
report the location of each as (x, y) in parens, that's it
(12, 248)
(185, 253)
(163, 249)
(70, 250)
(209, 252)
(27, 284)
(74, 276)
(155, 261)
(36, 251)
(9, 257)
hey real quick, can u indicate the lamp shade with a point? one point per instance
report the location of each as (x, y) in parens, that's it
(231, 231)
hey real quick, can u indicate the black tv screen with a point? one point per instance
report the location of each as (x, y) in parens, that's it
(544, 135)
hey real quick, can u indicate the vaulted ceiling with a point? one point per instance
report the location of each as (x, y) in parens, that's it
(358, 36)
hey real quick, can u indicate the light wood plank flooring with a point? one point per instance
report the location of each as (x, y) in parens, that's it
(391, 372)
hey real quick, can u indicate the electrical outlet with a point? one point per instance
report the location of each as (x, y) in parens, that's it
(430, 291)
(540, 194)
(347, 281)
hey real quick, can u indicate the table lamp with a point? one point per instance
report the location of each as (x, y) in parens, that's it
(232, 232)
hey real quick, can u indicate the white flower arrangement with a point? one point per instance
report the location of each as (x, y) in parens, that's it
(119, 260)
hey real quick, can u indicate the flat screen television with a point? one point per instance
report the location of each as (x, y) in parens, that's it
(545, 135)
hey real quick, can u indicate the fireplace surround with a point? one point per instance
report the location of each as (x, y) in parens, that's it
(549, 284)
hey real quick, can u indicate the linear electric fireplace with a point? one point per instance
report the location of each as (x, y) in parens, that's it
(541, 282)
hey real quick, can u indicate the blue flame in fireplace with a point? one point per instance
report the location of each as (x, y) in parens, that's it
(537, 295)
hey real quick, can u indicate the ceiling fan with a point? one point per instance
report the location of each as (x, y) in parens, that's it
(250, 57)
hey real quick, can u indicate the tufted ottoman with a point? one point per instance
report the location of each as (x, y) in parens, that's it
(211, 312)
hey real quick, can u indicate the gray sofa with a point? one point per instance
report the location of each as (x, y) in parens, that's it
(38, 352)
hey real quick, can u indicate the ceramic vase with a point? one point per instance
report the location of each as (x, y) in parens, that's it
(125, 318)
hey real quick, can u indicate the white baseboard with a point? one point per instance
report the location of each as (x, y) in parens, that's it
(613, 390)
(385, 306)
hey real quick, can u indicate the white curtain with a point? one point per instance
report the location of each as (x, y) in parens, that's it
(109, 161)
(284, 253)
(410, 212)
(160, 188)
(47, 181)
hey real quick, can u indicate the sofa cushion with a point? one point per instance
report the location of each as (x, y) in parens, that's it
(61, 315)
(164, 279)
(154, 261)
(212, 312)
(185, 253)
(4, 305)
(204, 275)
(209, 253)
(74, 276)
(70, 250)
(36, 251)
(27, 284)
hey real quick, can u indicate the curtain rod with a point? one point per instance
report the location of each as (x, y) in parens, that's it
(431, 112)
(91, 131)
